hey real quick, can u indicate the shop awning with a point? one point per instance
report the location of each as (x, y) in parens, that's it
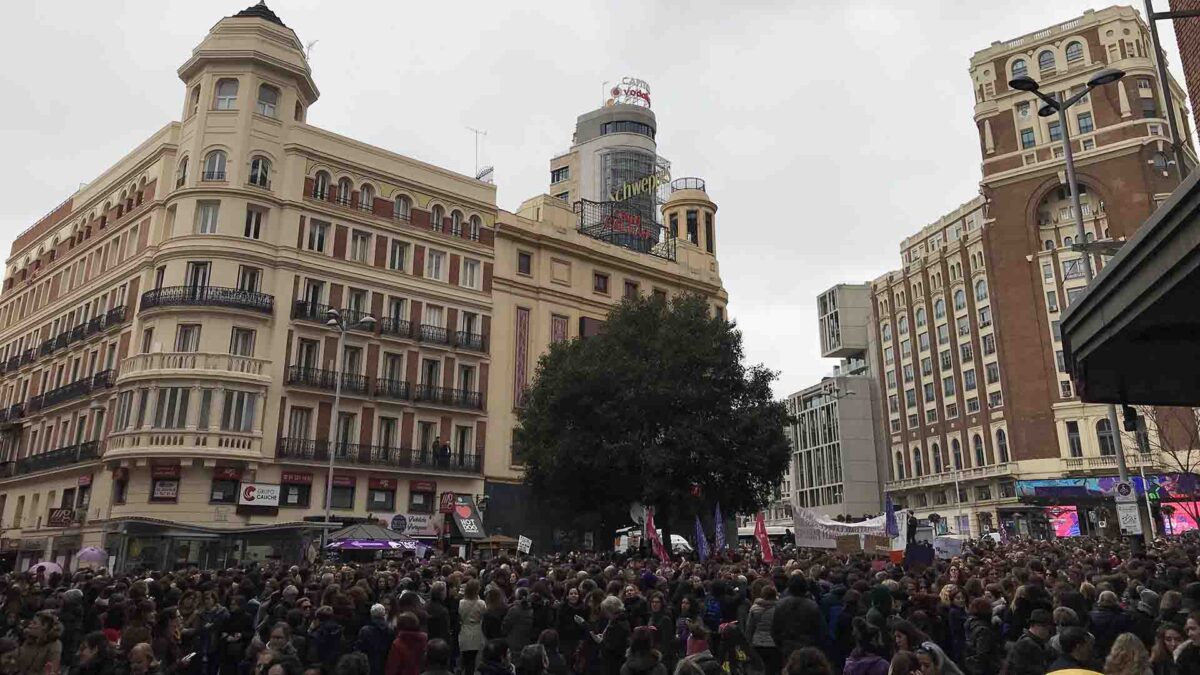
(1131, 338)
(365, 532)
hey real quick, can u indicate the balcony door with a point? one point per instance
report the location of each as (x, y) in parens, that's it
(431, 373)
(345, 432)
(198, 273)
(308, 354)
(393, 367)
(300, 423)
(249, 278)
(466, 378)
(314, 292)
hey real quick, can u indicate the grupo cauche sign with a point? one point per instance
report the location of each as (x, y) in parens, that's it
(258, 494)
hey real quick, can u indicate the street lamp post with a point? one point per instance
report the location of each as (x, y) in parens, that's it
(1052, 106)
(336, 322)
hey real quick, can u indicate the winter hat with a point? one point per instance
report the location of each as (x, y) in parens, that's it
(1148, 602)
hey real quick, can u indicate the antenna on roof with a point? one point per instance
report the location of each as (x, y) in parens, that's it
(478, 133)
(308, 49)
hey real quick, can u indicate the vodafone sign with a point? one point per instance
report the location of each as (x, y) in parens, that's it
(258, 494)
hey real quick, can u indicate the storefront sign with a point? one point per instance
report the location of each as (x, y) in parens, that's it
(647, 184)
(227, 473)
(418, 524)
(60, 517)
(466, 516)
(165, 490)
(7, 544)
(630, 91)
(343, 481)
(84, 481)
(422, 486)
(35, 544)
(296, 478)
(381, 483)
(447, 503)
(165, 471)
(258, 494)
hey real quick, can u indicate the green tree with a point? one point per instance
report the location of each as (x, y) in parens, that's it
(656, 404)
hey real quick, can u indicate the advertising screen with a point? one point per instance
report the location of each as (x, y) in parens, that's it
(1064, 520)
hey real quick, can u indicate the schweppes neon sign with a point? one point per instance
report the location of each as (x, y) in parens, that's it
(645, 184)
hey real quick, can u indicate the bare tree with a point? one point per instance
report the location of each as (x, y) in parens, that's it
(1174, 434)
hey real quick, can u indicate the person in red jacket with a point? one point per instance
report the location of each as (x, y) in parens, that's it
(407, 655)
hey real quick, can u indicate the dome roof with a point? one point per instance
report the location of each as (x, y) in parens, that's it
(261, 11)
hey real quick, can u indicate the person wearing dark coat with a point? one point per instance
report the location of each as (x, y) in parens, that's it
(518, 623)
(1108, 621)
(492, 624)
(1144, 617)
(570, 632)
(1076, 654)
(325, 641)
(866, 658)
(375, 639)
(797, 622)
(984, 652)
(614, 641)
(437, 626)
(643, 658)
(1030, 654)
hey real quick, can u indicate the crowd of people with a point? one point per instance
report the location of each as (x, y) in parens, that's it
(1017, 608)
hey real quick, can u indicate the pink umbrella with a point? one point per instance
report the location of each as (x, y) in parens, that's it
(46, 568)
(92, 554)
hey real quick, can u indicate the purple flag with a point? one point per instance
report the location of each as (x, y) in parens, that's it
(719, 530)
(701, 540)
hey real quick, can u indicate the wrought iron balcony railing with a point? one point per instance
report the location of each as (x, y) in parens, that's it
(320, 378)
(455, 398)
(304, 449)
(208, 296)
(61, 457)
(397, 389)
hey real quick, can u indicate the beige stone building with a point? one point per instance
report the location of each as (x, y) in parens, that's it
(168, 374)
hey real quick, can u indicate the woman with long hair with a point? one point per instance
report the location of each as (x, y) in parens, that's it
(807, 661)
(493, 615)
(470, 616)
(1167, 639)
(735, 654)
(643, 658)
(1128, 656)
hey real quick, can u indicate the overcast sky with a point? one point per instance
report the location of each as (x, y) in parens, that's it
(826, 131)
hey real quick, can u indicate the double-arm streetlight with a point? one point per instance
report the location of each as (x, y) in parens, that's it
(1052, 106)
(339, 323)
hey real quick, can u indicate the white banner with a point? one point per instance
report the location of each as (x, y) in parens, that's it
(524, 544)
(814, 530)
(258, 494)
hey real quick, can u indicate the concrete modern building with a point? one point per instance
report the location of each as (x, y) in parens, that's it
(167, 371)
(978, 397)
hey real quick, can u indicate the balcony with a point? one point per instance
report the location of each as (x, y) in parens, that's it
(56, 459)
(1132, 460)
(319, 378)
(12, 413)
(310, 311)
(168, 441)
(307, 450)
(397, 327)
(75, 390)
(948, 477)
(455, 398)
(688, 184)
(397, 389)
(208, 296)
(217, 364)
(472, 341)
(433, 334)
(212, 175)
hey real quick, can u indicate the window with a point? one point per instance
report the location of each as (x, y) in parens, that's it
(931, 416)
(296, 493)
(163, 489)
(456, 223)
(1047, 271)
(964, 326)
(1160, 161)
(1088, 144)
(969, 379)
(972, 405)
(342, 496)
(893, 404)
(1143, 83)
(985, 316)
(1055, 130)
(1056, 330)
(693, 227)
(299, 423)
(470, 274)
(1085, 123)
(194, 101)
(214, 165)
(909, 375)
(260, 172)
(187, 337)
(398, 256)
(268, 100)
(1074, 444)
(1052, 301)
(965, 351)
(910, 398)
(887, 332)
(992, 372)
(254, 221)
(1064, 388)
(918, 470)
(1027, 139)
(923, 341)
(181, 172)
(1104, 435)
(920, 315)
(206, 217)
(321, 185)
(241, 341)
(437, 218)
(344, 189)
(1149, 107)
(929, 392)
(1046, 63)
(890, 378)
(381, 499)
(1019, 68)
(421, 497)
(902, 325)
(401, 208)
(889, 355)
(360, 245)
(939, 309)
(708, 231)
(524, 263)
(249, 278)
(1059, 363)
(905, 348)
(227, 90)
(631, 289)
(171, 411)
(899, 466)
(223, 491)
(926, 367)
(989, 344)
(559, 175)
(943, 333)
(600, 282)
(1073, 269)
(960, 300)
(956, 453)
(981, 291)
(1074, 54)
(435, 264)
(947, 386)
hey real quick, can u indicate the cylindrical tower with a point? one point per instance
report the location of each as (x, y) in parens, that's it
(690, 216)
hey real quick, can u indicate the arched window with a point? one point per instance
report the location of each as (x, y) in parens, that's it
(268, 100)
(981, 290)
(321, 185)
(1160, 161)
(194, 101)
(475, 224)
(260, 172)
(345, 187)
(1104, 434)
(1074, 53)
(1019, 68)
(1048, 245)
(214, 165)
(298, 114)
(366, 198)
(437, 216)
(456, 223)
(918, 470)
(899, 466)
(980, 458)
(956, 452)
(227, 90)
(1002, 446)
(1088, 237)
(1067, 241)
(902, 324)
(887, 332)
(939, 309)
(960, 299)
(1046, 62)
(402, 207)
(920, 316)
(181, 172)
(937, 458)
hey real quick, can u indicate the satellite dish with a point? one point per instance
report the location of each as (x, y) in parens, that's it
(637, 513)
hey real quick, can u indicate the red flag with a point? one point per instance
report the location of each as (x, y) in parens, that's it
(760, 533)
(652, 534)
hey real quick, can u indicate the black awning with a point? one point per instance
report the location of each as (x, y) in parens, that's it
(466, 517)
